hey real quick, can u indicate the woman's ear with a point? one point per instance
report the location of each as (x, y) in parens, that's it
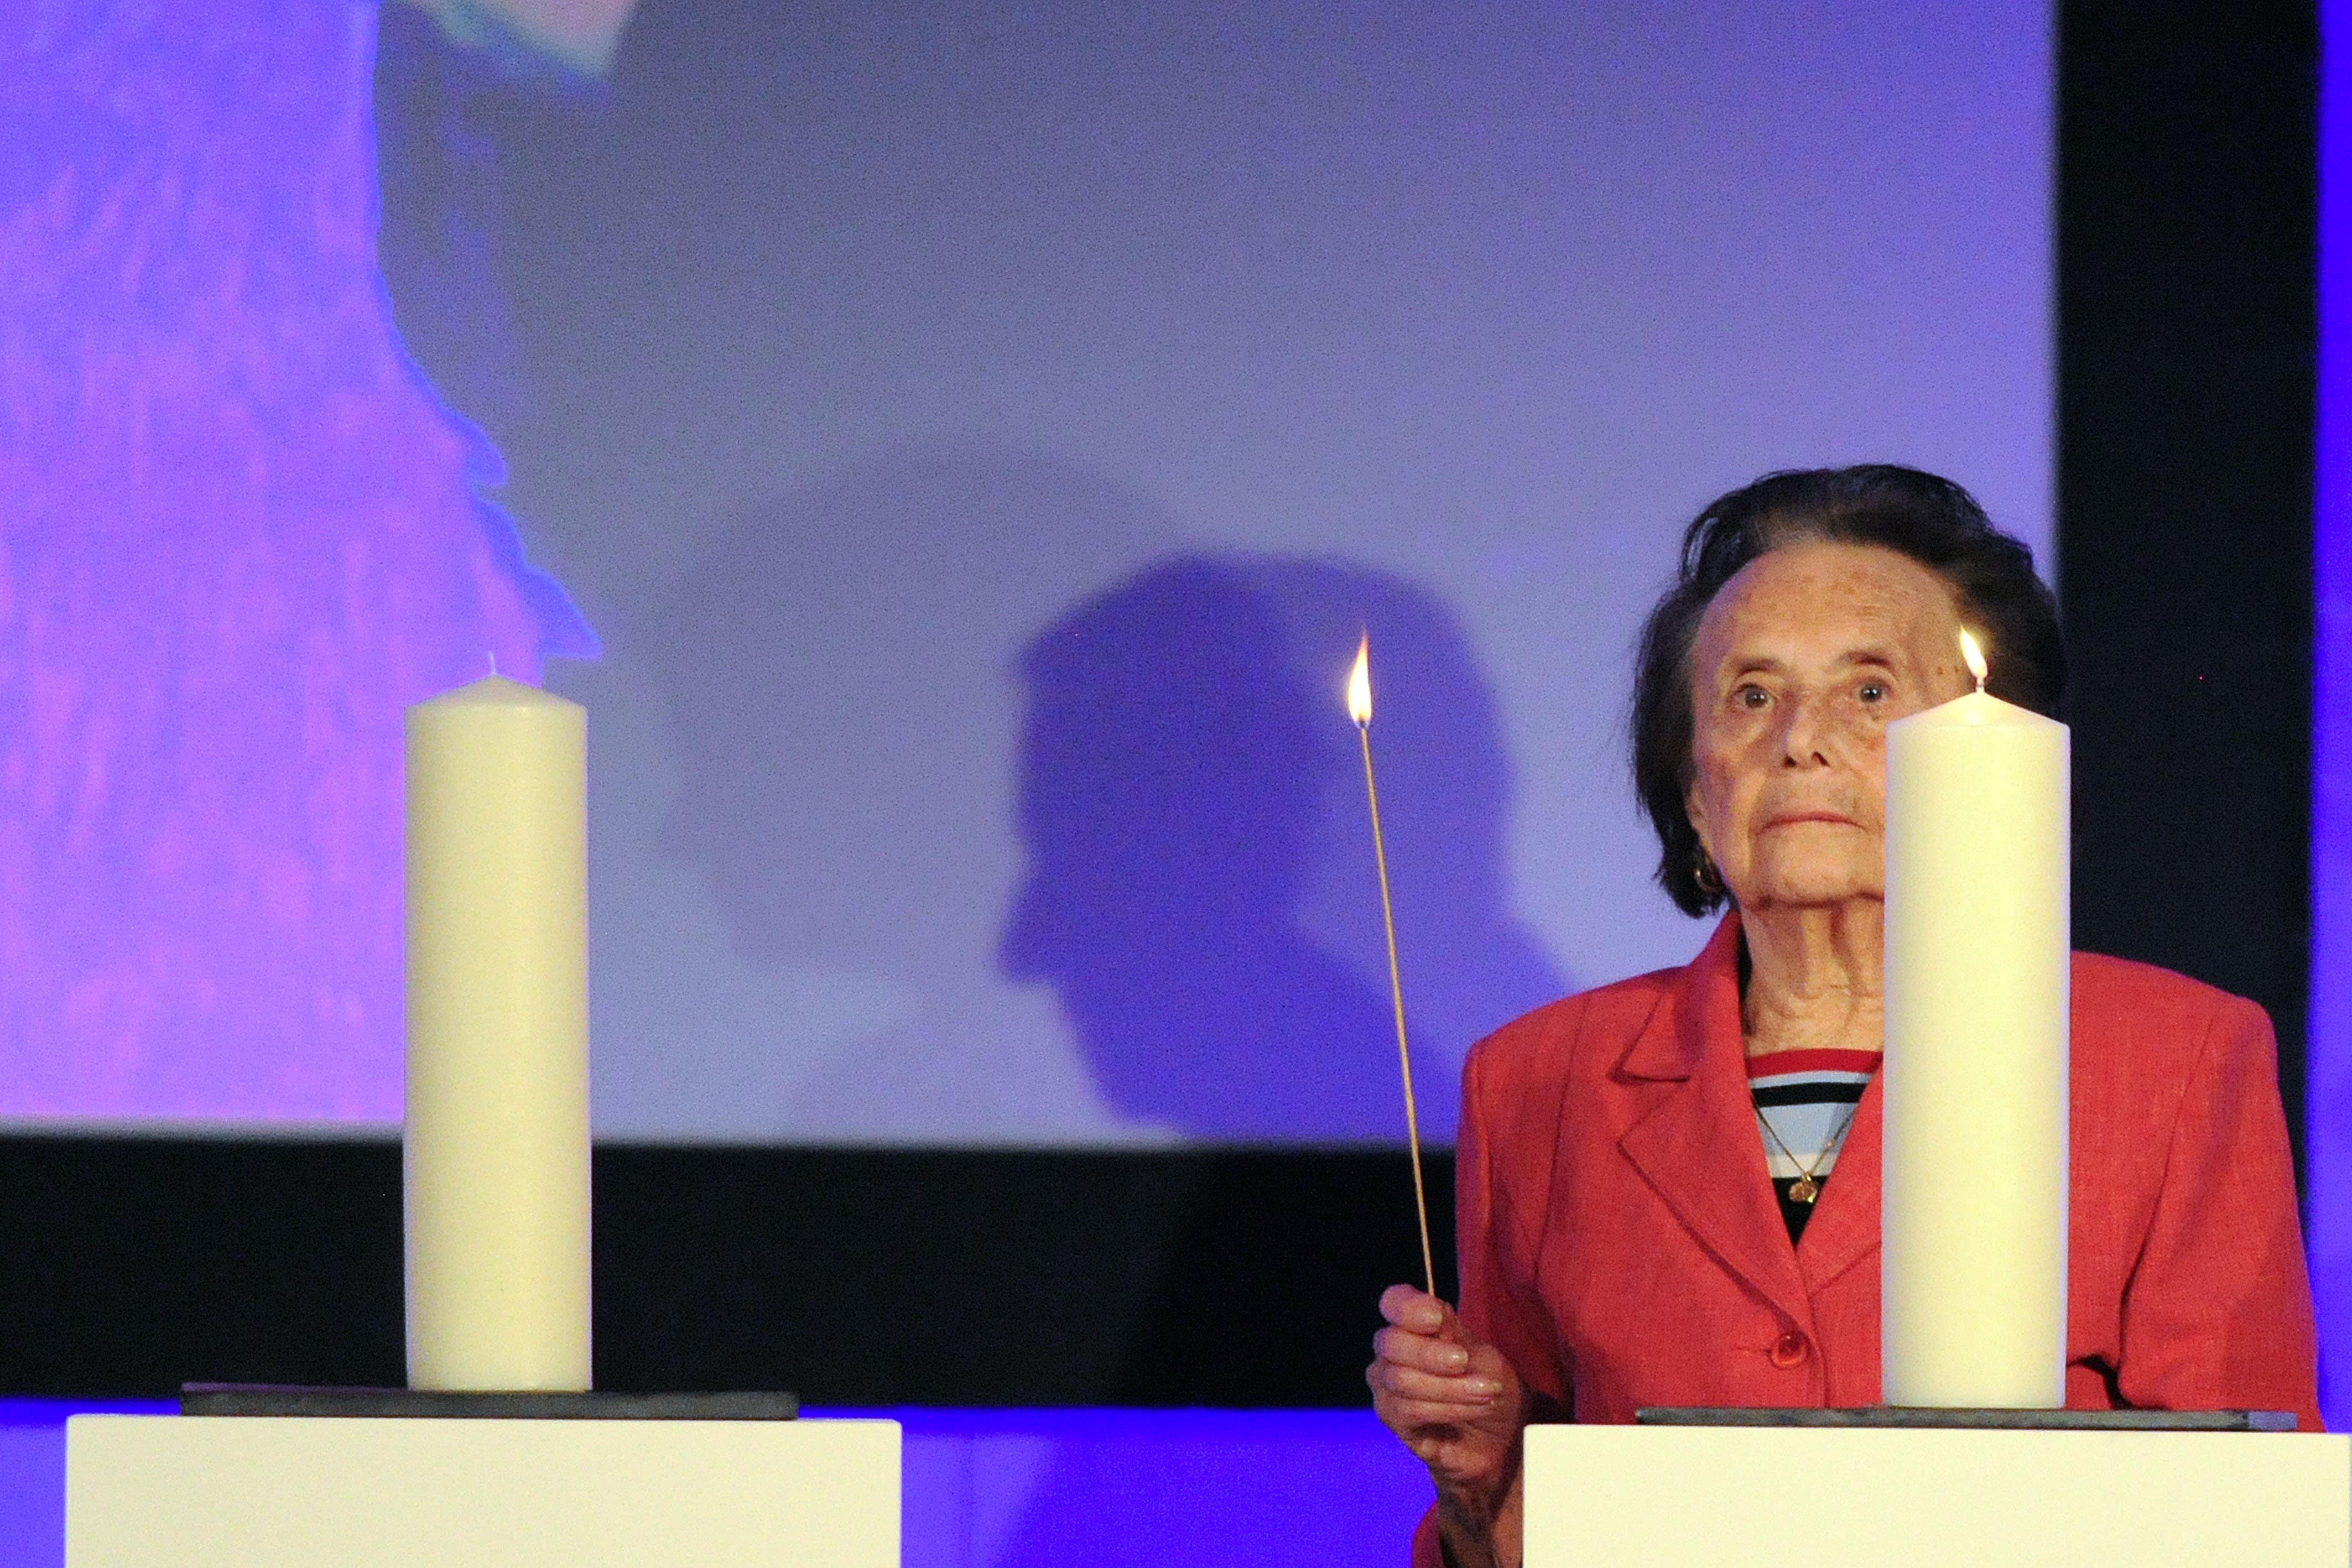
(1706, 873)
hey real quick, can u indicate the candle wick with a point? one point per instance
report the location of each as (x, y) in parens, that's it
(1980, 681)
(494, 667)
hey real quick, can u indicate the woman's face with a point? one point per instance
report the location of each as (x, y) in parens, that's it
(1800, 663)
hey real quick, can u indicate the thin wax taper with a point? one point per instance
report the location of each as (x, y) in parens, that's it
(1360, 708)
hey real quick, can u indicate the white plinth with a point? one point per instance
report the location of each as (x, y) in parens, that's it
(143, 1491)
(1667, 1496)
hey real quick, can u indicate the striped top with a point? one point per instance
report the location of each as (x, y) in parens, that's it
(1805, 1102)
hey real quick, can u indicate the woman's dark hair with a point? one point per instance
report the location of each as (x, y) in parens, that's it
(1932, 520)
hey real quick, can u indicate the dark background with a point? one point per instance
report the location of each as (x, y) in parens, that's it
(2186, 343)
(2186, 346)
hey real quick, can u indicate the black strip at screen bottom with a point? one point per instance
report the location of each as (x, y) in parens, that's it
(1238, 1277)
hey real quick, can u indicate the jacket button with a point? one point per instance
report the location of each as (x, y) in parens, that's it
(1789, 1349)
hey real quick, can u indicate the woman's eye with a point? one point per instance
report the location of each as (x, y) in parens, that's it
(1751, 696)
(1874, 691)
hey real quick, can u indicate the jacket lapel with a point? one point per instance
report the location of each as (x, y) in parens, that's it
(1697, 1145)
(1844, 1230)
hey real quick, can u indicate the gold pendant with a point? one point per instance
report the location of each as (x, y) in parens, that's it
(1804, 1190)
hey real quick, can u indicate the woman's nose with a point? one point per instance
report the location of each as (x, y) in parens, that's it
(1803, 737)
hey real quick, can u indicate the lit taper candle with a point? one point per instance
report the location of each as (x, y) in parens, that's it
(1360, 708)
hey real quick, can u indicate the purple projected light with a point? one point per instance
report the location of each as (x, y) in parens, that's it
(239, 536)
(2328, 1092)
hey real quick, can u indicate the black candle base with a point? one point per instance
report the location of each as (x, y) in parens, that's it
(520, 1405)
(1905, 1415)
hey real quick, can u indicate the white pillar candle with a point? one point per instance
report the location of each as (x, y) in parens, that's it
(496, 1126)
(1975, 1073)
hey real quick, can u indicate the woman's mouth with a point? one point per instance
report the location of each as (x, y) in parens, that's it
(1790, 819)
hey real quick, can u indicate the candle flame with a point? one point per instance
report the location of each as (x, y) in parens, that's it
(1360, 683)
(1973, 652)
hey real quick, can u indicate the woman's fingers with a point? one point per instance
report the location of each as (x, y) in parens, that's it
(1421, 1352)
(1402, 1409)
(1463, 1396)
(1418, 1425)
(1421, 1372)
(1419, 1368)
(1415, 1310)
(1456, 1404)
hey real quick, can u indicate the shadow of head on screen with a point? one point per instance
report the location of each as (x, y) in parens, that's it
(1200, 891)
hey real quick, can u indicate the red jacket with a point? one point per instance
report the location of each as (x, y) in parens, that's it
(1619, 1241)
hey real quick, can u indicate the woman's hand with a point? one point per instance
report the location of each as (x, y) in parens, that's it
(1460, 1406)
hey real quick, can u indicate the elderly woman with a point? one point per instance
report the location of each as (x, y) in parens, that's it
(1668, 1187)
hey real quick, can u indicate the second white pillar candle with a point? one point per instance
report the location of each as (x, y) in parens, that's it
(495, 1138)
(1976, 1063)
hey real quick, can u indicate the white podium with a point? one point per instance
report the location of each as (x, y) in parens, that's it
(1711, 1497)
(144, 1491)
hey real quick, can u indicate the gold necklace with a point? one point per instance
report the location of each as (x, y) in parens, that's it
(1805, 1188)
